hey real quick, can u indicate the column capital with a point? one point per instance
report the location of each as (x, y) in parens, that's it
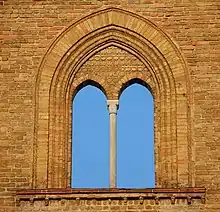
(113, 106)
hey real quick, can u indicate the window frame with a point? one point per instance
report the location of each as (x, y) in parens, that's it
(168, 78)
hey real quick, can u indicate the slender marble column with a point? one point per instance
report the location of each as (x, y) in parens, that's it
(112, 108)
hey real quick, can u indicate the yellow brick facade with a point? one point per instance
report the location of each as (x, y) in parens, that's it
(51, 49)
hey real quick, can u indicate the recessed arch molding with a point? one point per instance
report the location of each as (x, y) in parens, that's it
(112, 37)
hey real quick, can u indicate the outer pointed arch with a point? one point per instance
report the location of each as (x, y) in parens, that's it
(56, 84)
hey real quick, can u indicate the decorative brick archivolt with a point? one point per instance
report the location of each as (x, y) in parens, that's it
(69, 63)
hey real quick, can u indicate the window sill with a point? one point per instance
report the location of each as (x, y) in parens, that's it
(157, 195)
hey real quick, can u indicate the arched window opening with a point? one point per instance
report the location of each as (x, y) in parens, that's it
(135, 137)
(90, 147)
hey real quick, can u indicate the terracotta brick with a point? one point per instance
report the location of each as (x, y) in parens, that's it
(181, 41)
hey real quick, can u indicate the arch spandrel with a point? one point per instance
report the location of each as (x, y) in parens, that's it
(165, 69)
(141, 26)
(109, 66)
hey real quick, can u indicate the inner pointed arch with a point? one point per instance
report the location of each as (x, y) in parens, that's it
(135, 144)
(86, 83)
(89, 139)
(135, 81)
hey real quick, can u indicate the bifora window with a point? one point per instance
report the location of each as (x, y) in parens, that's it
(159, 63)
(113, 145)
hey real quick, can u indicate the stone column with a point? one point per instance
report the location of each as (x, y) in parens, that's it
(112, 108)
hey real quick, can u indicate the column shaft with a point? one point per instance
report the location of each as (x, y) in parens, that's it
(112, 107)
(113, 150)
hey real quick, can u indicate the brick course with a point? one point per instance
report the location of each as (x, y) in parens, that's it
(27, 30)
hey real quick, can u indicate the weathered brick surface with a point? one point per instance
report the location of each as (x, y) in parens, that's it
(158, 199)
(28, 28)
(57, 83)
(109, 67)
(114, 205)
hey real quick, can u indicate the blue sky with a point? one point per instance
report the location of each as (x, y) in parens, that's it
(90, 143)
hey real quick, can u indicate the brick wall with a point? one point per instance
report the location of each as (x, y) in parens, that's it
(113, 205)
(28, 28)
(181, 199)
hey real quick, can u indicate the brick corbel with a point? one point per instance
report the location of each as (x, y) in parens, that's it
(156, 194)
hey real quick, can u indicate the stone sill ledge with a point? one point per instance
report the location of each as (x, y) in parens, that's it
(156, 194)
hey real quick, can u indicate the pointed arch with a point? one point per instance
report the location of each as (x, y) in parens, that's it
(165, 72)
(90, 155)
(86, 83)
(133, 81)
(135, 141)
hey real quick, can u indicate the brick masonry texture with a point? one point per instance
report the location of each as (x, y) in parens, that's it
(112, 58)
(57, 83)
(114, 205)
(27, 30)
